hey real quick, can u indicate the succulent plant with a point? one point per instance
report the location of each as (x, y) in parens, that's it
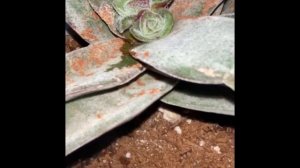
(143, 51)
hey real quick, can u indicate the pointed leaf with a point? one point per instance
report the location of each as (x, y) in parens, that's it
(107, 13)
(90, 117)
(228, 7)
(198, 50)
(82, 18)
(203, 98)
(99, 66)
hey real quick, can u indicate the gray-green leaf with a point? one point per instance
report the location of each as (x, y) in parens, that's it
(203, 98)
(90, 117)
(99, 66)
(186, 9)
(82, 18)
(199, 50)
(107, 13)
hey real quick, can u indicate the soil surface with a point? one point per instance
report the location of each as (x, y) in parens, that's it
(196, 139)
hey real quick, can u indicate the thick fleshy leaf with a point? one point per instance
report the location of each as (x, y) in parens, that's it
(152, 25)
(228, 7)
(82, 18)
(203, 98)
(90, 117)
(99, 66)
(185, 9)
(218, 9)
(198, 50)
(107, 13)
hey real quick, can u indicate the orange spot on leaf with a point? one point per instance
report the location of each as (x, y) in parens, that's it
(69, 80)
(146, 54)
(95, 16)
(141, 93)
(95, 54)
(102, 52)
(154, 91)
(98, 116)
(209, 5)
(78, 65)
(138, 65)
(88, 34)
(183, 9)
(140, 82)
(107, 14)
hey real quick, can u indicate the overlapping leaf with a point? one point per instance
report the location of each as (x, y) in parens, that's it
(82, 18)
(228, 7)
(199, 50)
(89, 117)
(203, 98)
(99, 66)
(185, 9)
(107, 13)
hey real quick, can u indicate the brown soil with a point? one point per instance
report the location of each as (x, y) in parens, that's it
(151, 141)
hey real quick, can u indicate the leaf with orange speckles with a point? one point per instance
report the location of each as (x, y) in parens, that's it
(204, 98)
(199, 50)
(184, 9)
(90, 117)
(93, 68)
(81, 18)
(107, 13)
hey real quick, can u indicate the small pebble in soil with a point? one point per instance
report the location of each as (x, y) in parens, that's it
(128, 155)
(178, 130)
(202, 143)
(217, 149)
(170, 115)
(189, 121)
